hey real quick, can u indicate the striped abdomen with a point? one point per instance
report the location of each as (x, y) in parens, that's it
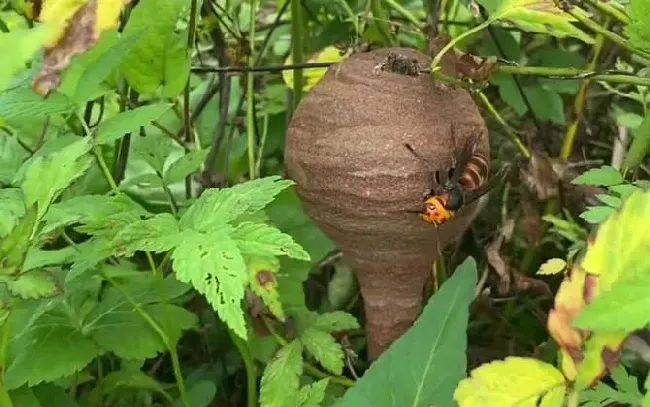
(475, 172)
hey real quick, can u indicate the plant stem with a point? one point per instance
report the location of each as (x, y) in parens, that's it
(297, 50)
(251, 369)
(607, 8)
(613, 37)
(154, 325)
(405, 13)
(5, 400)
(512, 134)
(250, 96)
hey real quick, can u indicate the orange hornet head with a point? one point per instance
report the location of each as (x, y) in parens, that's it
(434, 210)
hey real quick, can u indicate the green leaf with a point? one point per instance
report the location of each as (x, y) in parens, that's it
(42, 258)
(14, 247)
(25, 103)
(261, 272)
(47, 177)
(72, 211)
(33, 285)
(212, 263)
(53, 347)
(200, 395)
(425, 364)
(124, 379)
(281, 377)
(219, 206)
(184, 166)
(313, 394)
(641, 142)
(111, 216)
(335, 322)
(159, 57)
(546, 104)
(89, 84)
(265, 240)
(613, 201)
(12, 208)
(145, 180)
(515, 381)
(540, 16)
(603, 176)
(129, 121)
(158, 234)
(110, 324)
(597, 214)
(639, 27)
(627, 392)
(11, 159)
(624, 190)
(324, 348)
(18, 46)
(625, 306)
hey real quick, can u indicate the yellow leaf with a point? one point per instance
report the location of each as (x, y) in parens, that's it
(108, 14)
(311, 76)
(513, 382)
(552, 266)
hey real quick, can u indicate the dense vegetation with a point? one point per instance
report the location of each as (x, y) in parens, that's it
(152, 252)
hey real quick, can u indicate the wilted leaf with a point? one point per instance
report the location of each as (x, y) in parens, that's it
(513, 382)
(552, 266)
(424, 365)
(261, 276)
(81, 24)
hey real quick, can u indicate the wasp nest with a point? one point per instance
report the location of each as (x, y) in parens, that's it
(345, 151)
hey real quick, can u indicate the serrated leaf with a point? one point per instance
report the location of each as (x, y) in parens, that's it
(335, 322)
(117, 381)
(114, 214)
(25, 103)
(639, 27)
(552, 266)
(324, 348)
(610, 200)
(597, 214)
(53, 347)
(129, 121)
(184, 166)
(14, 246)
(212, 263)
(313, 394)
(158, 234)
(108, 328)
(42, 258)
(265, 240)
(89, 84)
(624, 307)
(281, 377)
(159, 57)
(513, 382)
(72, 211)
(540, 16)
(47, 177)
(424, 365)
(261, 272)
(216, 207)
(602, 176)
(12, 208)
(33, 285)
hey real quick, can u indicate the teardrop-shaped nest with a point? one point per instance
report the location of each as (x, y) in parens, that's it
(345, 151)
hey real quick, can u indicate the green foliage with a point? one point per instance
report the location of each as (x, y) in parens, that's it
(129, 121)
(626, 391)
(159, 57)
(427, 362)
(639, 27)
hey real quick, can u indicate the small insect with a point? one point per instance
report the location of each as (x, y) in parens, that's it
(466, 181)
